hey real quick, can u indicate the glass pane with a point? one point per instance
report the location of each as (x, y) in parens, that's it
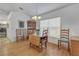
(53, 26)
(21, 24)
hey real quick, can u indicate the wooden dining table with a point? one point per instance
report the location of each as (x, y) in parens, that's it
(38, 41)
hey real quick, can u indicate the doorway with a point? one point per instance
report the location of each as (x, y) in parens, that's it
(3, 33)
(3, 30)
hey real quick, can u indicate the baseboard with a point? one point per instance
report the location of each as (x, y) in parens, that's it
(53, 43)
(10, 40)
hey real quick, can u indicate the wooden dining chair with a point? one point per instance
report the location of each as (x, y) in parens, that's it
(20, 34)
(64, 37)
(24, 34)
(44, 38)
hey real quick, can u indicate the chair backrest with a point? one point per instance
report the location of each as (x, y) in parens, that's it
(64, 34)
(45, 33)
(18, 32)
(21, 32)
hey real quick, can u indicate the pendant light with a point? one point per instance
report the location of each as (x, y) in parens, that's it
(36, 17)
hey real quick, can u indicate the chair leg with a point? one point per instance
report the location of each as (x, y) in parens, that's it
(46, 44)
(16, 39)
(30, 44)
(59, 44)
(68, 47)
(41, 46)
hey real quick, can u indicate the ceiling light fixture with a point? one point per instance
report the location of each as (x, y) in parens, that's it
(36, 17)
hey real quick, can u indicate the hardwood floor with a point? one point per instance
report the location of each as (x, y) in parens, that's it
(23, 49)
(4, 41)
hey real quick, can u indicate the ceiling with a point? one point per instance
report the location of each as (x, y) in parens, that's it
(31, 9)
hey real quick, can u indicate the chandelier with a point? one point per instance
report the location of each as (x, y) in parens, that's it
(36, 17)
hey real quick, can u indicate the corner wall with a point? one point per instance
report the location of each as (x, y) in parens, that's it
(13, 20)
(69, 16)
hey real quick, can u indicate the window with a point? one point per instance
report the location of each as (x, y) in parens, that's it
(53, 26)
(21, 24)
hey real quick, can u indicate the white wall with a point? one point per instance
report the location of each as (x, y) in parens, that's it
(3, 19)
(37, 24)
(70, 18)
(3, 15)
(13, 20)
